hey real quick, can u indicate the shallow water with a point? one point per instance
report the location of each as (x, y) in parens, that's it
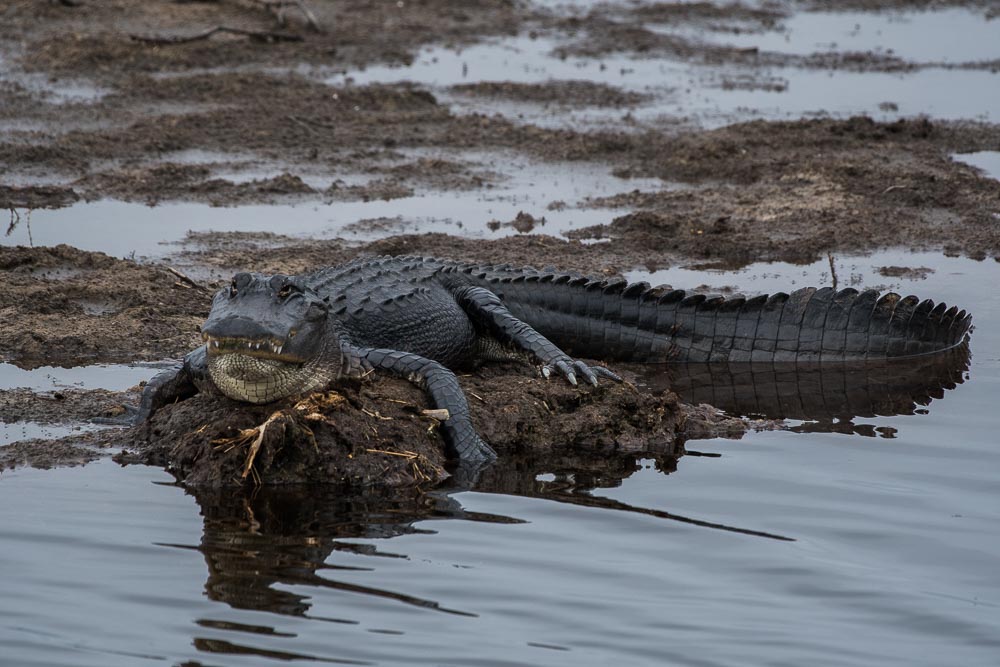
(986, 161)
(781, 548)
(122, 229)
(953, 36)
(115, 377)
(703, 94)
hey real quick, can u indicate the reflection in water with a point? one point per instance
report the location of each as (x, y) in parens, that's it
(252, 540)
(261, 546)
(827, 397)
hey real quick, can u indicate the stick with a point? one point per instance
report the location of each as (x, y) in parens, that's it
(15, 219)
(184, 279)
(263, 36)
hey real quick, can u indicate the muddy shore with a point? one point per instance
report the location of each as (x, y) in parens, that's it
(123, 100)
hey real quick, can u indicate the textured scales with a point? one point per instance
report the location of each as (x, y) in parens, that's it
(268, 337)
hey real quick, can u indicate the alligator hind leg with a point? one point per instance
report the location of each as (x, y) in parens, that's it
(460, 435)
(487, 310)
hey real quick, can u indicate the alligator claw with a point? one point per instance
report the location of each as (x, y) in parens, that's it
(567, 372)
(605, 373)
(570, 369)
(585, 371)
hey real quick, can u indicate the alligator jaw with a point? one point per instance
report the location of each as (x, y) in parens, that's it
(261, 348)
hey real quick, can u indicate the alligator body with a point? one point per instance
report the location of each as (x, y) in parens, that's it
(268, 337)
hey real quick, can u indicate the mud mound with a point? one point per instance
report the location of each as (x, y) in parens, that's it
(578, 93)
(63, 306)
(378, 433)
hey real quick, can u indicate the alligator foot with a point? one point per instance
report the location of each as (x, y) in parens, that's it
(569, 368)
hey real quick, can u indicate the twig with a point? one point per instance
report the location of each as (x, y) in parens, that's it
(376, 415)
(259, 35)
(255, 446)
(441, 414)
(184, 279)
(299, 121)
(833, 270)
(15, 219)
(311, 124)
(405, 455)
(419, 473)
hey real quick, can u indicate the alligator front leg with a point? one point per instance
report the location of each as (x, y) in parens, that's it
(460, 435)
(174, 384)
(487, 311)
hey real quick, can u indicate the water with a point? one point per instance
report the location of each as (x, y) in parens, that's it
(115, 377)
(121, 229)
(986, 161)
(699, 93)
(953, 36)
(771, 549)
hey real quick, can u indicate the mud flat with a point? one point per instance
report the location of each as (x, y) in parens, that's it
(136, 102)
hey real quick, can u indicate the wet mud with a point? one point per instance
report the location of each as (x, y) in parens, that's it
(786, 190)
(133, 101)
(63, 306)
(377, 433)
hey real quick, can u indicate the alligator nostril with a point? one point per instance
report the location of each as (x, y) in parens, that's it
(291, 334)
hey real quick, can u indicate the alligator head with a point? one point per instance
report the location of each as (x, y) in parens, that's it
(267, 338)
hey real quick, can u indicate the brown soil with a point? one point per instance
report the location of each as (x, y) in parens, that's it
(374, 433)
(63, 306)
(562, 93)
(909, 272)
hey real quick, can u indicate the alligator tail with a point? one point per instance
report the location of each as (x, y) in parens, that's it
(612, 319)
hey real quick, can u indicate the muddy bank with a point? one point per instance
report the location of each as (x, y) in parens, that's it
(557, 92)
(63, 306)
(755, 191)
(182, 122)
(376, 433)
(792, 191)
(111, 37)
(147, 122)
(370, 433)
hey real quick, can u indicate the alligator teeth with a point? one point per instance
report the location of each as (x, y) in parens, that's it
(279, 348)
(215, 343)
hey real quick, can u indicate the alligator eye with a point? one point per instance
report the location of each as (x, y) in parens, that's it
(232, 288)
(285, 291)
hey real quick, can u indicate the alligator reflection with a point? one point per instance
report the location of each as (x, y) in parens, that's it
(827, 397)
(258, 545)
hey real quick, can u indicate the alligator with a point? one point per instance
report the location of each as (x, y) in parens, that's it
(268, 337)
